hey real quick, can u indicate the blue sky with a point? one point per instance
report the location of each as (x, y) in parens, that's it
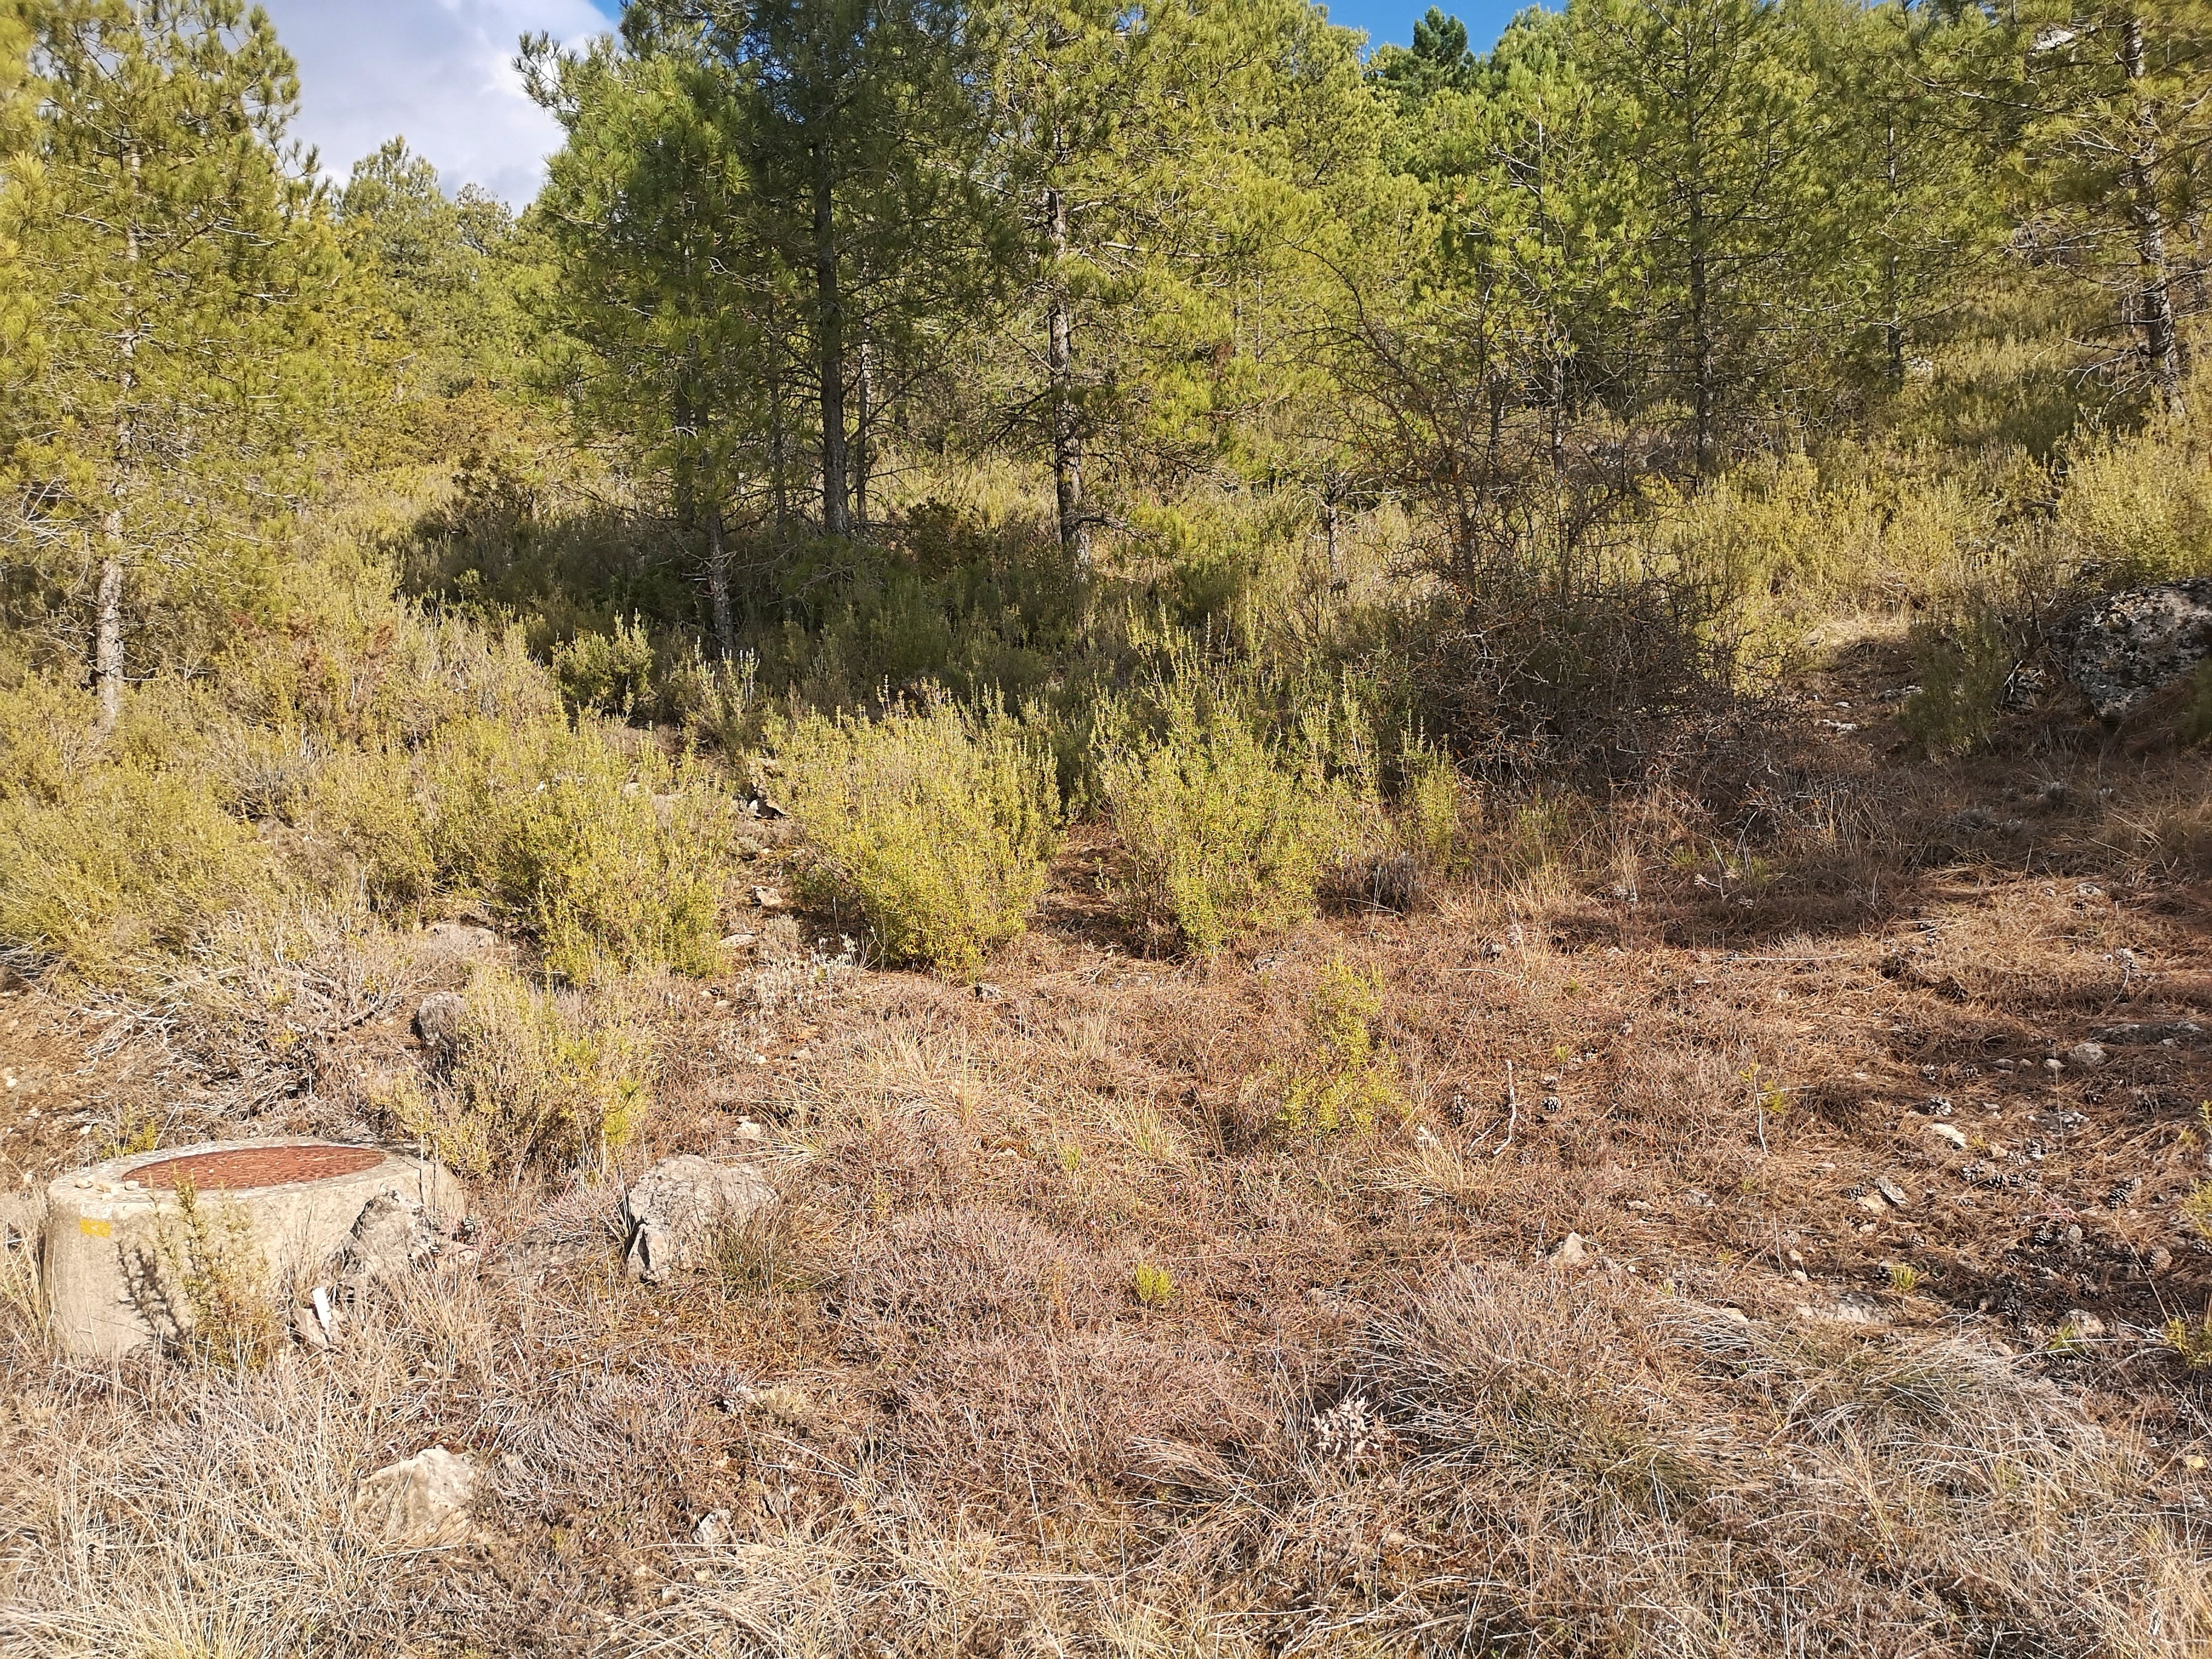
(441, 73)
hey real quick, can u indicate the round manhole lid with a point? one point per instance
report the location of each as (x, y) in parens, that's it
(259, 1166)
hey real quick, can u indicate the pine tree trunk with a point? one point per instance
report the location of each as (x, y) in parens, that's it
(829, 353)
(1059, 364)
(1892, 301)
(864, 418)
(107, 637)
(779, 448)
(718, 584)
(107, 625)
(2161, 340)
(1701, 342)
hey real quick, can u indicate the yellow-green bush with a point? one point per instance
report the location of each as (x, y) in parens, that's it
(2139, 509)
(936, 822)
(1227, 834)
(1342, 1083)
(612, 861)
(121, 864)
(540, 1078)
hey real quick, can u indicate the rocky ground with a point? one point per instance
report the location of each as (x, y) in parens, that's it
(1759, 1251)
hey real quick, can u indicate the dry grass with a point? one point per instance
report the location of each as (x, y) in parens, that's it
(931, 1415)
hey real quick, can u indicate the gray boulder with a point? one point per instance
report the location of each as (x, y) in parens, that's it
(672, 1216)
(2126, 647)
(392, 1234)
(438, 1021)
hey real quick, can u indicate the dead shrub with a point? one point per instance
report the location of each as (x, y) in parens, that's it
(1023, 1422)
(977, 1271)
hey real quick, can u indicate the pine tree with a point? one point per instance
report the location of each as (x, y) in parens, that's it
(1711, 120)
(666, 305)
(182, 269)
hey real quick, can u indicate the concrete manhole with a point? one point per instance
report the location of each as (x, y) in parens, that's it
(258, 1166)
(280, 1209)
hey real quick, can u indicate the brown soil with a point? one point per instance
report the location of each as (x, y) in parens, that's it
(260, 1166)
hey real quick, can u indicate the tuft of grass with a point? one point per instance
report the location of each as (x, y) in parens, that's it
(936, 822)
(1154, 1286)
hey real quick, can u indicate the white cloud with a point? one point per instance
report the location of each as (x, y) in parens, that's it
(440, 71)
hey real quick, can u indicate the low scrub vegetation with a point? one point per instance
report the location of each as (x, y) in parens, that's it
(934, 822)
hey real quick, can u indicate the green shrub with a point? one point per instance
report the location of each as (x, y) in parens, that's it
(612, 864)
(126, 865)
(2139, 509)
(223, 1277)
(608, 673)
(1342, 1083)
(540, 1078)
(936, 822)
(612, 861)
(1429, 809)
(1227, 837)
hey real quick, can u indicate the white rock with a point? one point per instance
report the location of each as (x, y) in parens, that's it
(391, 1236)
(1570, 1252)
(2085, 1056)
(673, 1212)
(420, 1502)
(713, 1528)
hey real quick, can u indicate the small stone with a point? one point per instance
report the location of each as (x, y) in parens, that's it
(2085, 1056)
(1895, 1193)
(1570, 1252)
(768, 898)
(1873, 1204)
(2054, 1065)
(712, 1530)
(672, 1216)
(438, 1020)
(2080, 1325)
(749, 1130)
(391, 1236)
(420, 1502)
(738, 941)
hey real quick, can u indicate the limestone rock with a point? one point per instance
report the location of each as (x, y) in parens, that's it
(2085, 1056)
(420, 1502)
(458, 938)
(2128, 646)
(1570, 1252)
(438, 1021)
(391, 1236)
(671, 1215)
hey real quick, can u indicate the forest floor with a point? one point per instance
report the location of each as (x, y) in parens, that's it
(1861, 1347)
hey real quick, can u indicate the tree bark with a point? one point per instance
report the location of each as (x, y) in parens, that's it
(1059, 365)
(107, 625)
(718, 583)
(2161, 340)
(864, 415)
(1892, 300)
(107, 638)
(829, 354)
